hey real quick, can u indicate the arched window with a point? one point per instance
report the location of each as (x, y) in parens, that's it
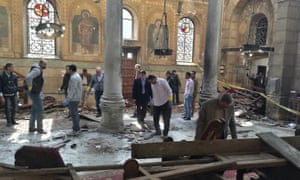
(39, 11)
(185, 41)
(261, 31)
(127, 24)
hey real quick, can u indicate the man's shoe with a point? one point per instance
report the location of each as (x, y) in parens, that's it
(41, 131)
(32, 130)
(15, 123)
(98, 115)
(76, 133)
(157, 133)
(187, 119)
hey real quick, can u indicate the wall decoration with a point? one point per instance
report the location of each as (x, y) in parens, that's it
(157, 35)
(85, 35)
(3, 28)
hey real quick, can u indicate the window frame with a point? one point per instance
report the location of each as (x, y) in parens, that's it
(179, 35)
(29, 8)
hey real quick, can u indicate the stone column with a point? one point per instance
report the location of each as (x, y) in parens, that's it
(212, 50)
(112, 102)
(284, 64)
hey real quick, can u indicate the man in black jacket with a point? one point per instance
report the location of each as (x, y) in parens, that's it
(141, 93)
(65, 82)
(8, 93)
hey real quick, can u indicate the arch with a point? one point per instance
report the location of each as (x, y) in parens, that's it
(237, 20)
(135, 21)
(128, 24)
(259, 29)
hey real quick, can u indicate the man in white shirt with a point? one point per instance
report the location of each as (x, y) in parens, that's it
(188, 96)
(162, 100)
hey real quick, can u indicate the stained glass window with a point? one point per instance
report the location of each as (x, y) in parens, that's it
(261, 31)
(39, 11)
(127, 25)
(185, 41)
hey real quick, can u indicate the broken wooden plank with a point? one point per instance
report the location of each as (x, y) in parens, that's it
(190, 170)
(73, 173)
(45, 171)
(285, 149)
(146, 173)
(189, 148)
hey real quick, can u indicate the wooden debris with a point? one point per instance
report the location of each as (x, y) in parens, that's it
(189, 170)
(281, 146)
(89, 117)
(199, 148)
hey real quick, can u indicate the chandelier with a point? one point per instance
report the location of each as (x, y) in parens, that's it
(46, 29)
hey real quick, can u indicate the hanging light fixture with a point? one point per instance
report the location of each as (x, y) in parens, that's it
(46, 29)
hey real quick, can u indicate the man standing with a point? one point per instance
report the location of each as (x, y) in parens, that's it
(66, 78)
(86, 80)
(141, 93)
(35, 82)
(220, 108)
(177, 85)
(86, 77)
(170, 80)
(96, 84)
(188, 96)
(8, 93)
(195, 91)
(162, 100)
(73, 97)
(137, 68)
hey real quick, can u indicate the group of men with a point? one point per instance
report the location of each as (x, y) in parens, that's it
(145, 89)
(73, 84)
(33, 85)
(94, 83)
(159, 93)
(77, 86)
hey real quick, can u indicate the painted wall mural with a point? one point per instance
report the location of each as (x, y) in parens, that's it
(3, 28)
(85, 36)
(157, 35)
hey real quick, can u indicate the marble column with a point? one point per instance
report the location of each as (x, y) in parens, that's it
(112, 102)
(212, 50)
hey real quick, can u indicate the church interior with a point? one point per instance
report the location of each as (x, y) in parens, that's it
(255, 36)
(226, 42)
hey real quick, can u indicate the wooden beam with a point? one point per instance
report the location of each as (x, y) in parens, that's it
(190, 170)
(146, 173)
(285, 149)
(44, 171)
(73, 173)
(189, 148)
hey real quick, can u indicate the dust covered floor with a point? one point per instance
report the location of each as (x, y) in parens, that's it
(93, 147)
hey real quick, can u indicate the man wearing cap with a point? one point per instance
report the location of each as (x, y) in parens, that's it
(141, 93)
(220, 108)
